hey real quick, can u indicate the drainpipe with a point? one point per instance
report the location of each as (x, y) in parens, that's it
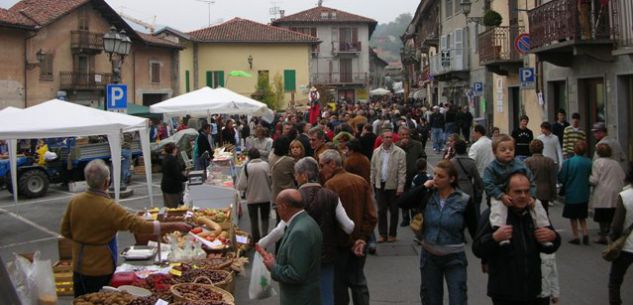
(26, 63)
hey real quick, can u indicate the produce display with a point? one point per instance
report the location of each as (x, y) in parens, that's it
(104, 298)
(195, 292)
(215, 276)
(216, 215)
(201, 303)
(156, 282)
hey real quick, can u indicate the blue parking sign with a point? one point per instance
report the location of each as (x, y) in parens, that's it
(527, 76)
(478, 88)
(116, 97)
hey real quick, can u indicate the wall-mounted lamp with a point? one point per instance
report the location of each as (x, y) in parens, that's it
(466, 9)
(250, 61)
(41, 55)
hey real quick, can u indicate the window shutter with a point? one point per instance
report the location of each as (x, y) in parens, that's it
(289, 80)
(209, 79)
(443, 43)
(220, 76)
(459, 49)
(187, 88)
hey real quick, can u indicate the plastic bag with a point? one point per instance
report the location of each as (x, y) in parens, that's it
(34, 282)
(260, 286)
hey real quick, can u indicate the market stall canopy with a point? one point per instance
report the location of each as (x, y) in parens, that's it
(56, 118)
(379, 92)
(207, 101)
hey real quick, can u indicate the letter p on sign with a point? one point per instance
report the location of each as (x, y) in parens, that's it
(116, 97)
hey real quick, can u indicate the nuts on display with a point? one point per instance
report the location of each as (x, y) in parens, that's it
(104, 298)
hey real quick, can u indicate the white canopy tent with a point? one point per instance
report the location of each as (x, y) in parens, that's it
(56, 118)
(206, 101)
(379, 92)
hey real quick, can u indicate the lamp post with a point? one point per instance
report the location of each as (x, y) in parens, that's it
(119, 44)
(466, 9)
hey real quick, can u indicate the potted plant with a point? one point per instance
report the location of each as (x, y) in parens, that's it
(492, 18)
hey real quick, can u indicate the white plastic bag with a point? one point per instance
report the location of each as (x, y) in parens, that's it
(260, 286)
(34, 282)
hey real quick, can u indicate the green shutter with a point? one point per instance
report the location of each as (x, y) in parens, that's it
(220, 75)
(187, 88)
(290, 80)
(210, 79)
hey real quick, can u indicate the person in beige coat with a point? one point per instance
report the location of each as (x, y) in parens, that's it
(607, 178)
(388, 175)
(255, 181)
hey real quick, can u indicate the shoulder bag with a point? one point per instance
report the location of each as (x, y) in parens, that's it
(612, 252)
(417, 221)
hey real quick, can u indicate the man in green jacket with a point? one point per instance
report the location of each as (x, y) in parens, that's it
(298, 264)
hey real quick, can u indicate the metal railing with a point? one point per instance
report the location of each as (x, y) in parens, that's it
(86, 40)
(623, 22)
(496, 44)
(561, 20)
(350, 47)
(84, 81)
(339, 78)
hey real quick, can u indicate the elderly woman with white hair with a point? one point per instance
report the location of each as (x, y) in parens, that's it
(91, 222)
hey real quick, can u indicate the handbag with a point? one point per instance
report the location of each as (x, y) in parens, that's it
(613, 250)
(417, 221)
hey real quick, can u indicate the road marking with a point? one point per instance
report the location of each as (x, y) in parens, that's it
(63, 192)
(31, 223)
(34, 241)
(20, 204)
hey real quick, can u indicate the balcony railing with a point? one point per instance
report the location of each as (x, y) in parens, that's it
(84, 81)
(86, 40)
(339, 78)
(623, 14)
(351, 47)
(568, 20)
(450, 60)
(496, 44)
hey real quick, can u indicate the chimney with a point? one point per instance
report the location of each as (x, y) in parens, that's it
(282, 13)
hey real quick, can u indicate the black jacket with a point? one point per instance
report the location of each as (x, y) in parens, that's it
(437, 120)
(514, 271)
(203, 144)
(172, 176)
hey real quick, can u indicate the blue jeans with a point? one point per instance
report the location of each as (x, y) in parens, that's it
(327, 284)
(438, 138)
(434, 270)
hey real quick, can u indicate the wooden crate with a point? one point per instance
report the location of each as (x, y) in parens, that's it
(64, 283)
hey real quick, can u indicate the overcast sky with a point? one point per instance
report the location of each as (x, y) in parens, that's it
(188, 15)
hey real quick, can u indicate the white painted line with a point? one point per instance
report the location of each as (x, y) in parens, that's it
(27, 242)
(45, 200)
(31, 223)
(63, 192)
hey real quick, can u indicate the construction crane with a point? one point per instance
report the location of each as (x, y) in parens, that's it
(150, 27)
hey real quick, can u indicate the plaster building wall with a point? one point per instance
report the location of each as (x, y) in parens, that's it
(12, 61)
(144, 57)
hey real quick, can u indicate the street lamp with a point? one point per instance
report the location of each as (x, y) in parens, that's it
(466, 9)
(119, 44)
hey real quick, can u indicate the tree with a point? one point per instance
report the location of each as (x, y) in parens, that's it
(387, 36)
(278, 86)
(264, 92)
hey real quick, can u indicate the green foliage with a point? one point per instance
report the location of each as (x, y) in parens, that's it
(278, 84)
(492, 18)
(264, 92)
(387, 36)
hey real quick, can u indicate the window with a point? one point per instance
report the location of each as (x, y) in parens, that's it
(83, 19)
(290, 82)
(215, 79)
(304, 30)
(46, 67)
(449, 8)
(154, 71)
(187, 87)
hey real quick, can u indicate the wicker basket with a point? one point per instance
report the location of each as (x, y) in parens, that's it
(226, 296)
(225, 284)
(223, 263)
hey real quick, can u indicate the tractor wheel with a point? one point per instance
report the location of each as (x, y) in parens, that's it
(33, 184)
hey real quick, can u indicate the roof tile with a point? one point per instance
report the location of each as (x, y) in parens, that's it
(153, 40)
(14, 19)
(44, 12)
(243, 30)
(322, 14)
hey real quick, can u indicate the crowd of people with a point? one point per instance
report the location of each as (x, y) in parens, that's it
(361, 165)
